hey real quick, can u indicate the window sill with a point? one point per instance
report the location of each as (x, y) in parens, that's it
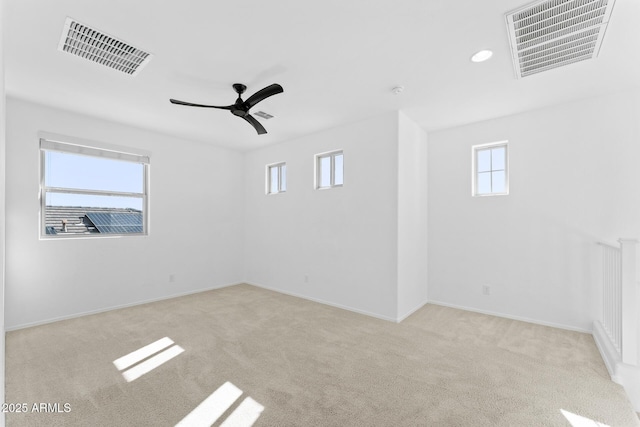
(330, 187)
(92, 236)
(491, 194)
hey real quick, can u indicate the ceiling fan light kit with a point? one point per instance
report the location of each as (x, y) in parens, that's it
(241, 108)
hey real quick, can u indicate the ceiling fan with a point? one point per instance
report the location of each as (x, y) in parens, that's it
(241, 108)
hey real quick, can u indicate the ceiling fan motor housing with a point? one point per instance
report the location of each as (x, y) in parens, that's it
(239, 111)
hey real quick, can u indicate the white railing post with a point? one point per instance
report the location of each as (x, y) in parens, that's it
(630, 319)
(611, 297)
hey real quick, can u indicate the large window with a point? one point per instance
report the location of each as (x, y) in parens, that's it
(490, 169)
(329, 170)
(91, 191)
(276, 178)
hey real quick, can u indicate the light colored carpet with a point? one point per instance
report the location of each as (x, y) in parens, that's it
(309, 364)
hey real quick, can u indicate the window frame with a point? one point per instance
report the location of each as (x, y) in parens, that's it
(279, 190)
(69, 145)
(474, 161)
(332, 169)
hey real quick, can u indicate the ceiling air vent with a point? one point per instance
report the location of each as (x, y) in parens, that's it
(91, 44)
(264, 115)
(555, 33)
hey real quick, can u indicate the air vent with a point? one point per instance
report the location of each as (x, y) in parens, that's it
(264, 115)
(86, 42)
(555, 33)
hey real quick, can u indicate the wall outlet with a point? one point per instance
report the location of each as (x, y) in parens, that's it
(486, 290)
(172, 278)
(306, 279)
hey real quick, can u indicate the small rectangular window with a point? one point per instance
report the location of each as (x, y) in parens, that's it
(90, 191)
(276, 178)
(490, 169)
(329, 170)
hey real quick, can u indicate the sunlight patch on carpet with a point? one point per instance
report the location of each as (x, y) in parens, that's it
(163, 353)
(218, 402)
(579, 421)
(142, 353)
(245, 415)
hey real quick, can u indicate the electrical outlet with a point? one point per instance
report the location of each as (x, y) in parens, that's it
(306, 279)
(486, 290)
(172, 278)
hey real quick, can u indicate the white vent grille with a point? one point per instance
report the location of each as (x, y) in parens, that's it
(264, 115)
(555, 33)
(86, 42)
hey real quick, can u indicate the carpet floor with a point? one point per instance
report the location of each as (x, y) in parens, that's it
(243, 355)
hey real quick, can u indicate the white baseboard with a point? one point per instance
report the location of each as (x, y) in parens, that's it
(628, 376)
(609, 354)
(332, 304)
(410, 312)
(509, 316)
(102, 310)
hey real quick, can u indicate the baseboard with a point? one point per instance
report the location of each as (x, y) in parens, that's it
(609, 355)
(628, 376)
(332, 304)
(410, 312)
(103, 310)
(509, 316)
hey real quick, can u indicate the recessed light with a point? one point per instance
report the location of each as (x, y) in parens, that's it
(481, 56)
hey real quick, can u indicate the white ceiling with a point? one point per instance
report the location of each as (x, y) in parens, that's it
(337, 61)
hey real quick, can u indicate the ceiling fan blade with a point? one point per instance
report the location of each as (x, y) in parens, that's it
(260, 95)
(189, 104)
(256, 124)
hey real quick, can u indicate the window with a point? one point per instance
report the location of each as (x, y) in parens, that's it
(276, 178)
(329, 170)
(490, 169)
(90, 191)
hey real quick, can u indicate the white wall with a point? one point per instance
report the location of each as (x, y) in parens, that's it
(196, 223)
(574, 180)
(343, 239)
(363, 247)
(412, 216)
